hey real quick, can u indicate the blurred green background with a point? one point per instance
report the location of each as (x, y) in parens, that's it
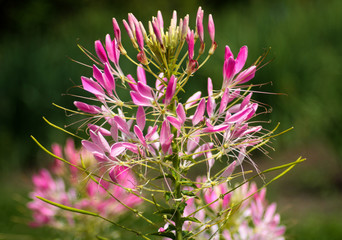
(39, 37)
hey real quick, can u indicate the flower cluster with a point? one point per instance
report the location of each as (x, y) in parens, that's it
(156, 135)
(212, 126)
(243, 214)
(69, 187)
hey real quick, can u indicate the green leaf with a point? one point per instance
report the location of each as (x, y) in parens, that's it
(192, 219)
(70, 209)
(188, 193)
(164, 234)
(167, 211)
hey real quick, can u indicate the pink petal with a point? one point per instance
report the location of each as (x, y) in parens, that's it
(141, 117)
(122, 125)
(140, 135)
(117, 149)
(239, 116)
(128, 29)
(199, 24)
(101, 53)
(92, 87)
(170, 90)
(139, 35)
(133, 85)
(210, 87)
(229, 170)
(228, 53)
(246, 75)
(97, 74)
(241, 59)
(198, 116)
(245, 101)
(91, 147)
(140, 100)
(117, 32)
(165, 137)
(193, 99)
(141, 74)
(228, 71)
(145, 90)
(96, 128)
(175, 122)
(87, 108)
(224, 100)
(109, 79)
(109, 48)
(181, 113)
(211, 28)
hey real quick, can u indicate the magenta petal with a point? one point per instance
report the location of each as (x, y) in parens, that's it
(110, 81)
(150, 132)
(165, 137)
(198, 116)
(170, 90)
(109, 48)
(131, 147)
(145, 90)
(117, 31)
(228, 53)
(175, 122)
(157, 30)
(160, 19)
(193, 99)
(181, 113)
(241, 59)
(224, 100)
(100, 157)
(192, 143)
(246, 101)
(246, 75)
(128, 29)
(92, 87)
(211, 28)
(217, 128)
(91, 147)
(239, 116)
(96, 128)
(122, 125)
(210, 87)
(141, 74)
(229, 68)
(141, 117)
(117, 149)
(199, 24)
(97, 74)
(190, 39)
(139, 36)
(140, 135)
(140, 100)
(210, 106)
(133, 83)
(101, 53)
(229, 170)
(87, 108)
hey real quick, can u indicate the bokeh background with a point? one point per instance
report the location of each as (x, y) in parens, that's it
(38, 38)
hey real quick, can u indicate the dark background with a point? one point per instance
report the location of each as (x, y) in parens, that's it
(39, 37)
